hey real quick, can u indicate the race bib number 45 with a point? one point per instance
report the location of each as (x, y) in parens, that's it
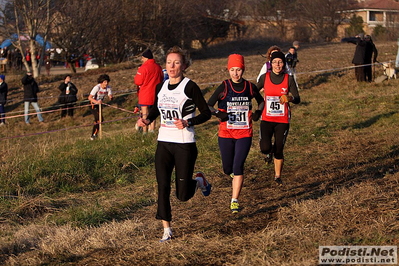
(274, 107)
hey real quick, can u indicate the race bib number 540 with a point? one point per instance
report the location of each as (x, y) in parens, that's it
(168, 116)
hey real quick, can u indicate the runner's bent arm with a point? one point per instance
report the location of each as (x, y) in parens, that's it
(154, 111)
(261, 81)
(293, 89)
(261, 72)
(194, 92)
(216, 96)
(258, 97)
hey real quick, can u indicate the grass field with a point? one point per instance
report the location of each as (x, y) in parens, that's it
(66, 200)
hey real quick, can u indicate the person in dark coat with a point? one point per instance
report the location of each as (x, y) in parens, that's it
(292, 58)
(3, 99)
(30, 96)
(18, 59)
(359, 57)
(47, 64)
(370, 50)
(68, 97)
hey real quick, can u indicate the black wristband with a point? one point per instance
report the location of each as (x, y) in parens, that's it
(189, 123)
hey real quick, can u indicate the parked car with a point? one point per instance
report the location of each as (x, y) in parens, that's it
(91, 64)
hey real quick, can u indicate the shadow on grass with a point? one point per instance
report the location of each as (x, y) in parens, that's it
(260, 217)
(84, 220)
(370, 121)
(313, 190)
(96, 215)
(321, 78)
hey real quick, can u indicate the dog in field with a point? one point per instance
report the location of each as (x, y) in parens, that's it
(389, 70)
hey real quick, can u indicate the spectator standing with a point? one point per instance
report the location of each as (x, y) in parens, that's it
(4, 52)
(47, 64)
(296, 45)
(10, 59)
(37, 58)
(96, 98)
(28, 57)
(176, 102)
(3, 99)
(292, 58)
(148, 76)
(359, 57)
(30, 96)
(234, 97)
(18, 59)
(68, 97)
(369, 58)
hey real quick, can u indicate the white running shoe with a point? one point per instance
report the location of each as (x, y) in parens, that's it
(166, 237)
(204, 184)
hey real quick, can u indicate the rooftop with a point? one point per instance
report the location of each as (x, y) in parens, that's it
(377, 4)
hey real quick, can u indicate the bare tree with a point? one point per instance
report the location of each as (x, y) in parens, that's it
(28, 20)
(125, 30)
(76, 27)
(46, 29)
(110, 31)
(277, 14)
(180, 22)
(323, 16)
(210, 20)
(114, 30)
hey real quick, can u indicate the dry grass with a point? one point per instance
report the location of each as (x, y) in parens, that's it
(344, 217)
(341, 174)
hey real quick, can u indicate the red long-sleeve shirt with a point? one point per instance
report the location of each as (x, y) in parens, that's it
(148, 76)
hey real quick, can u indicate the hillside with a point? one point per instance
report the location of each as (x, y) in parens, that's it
(66, 200)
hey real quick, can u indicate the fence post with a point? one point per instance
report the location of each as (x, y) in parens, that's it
(100, 121)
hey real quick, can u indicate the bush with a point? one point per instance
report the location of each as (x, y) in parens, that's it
(381, 33)
(356, 26)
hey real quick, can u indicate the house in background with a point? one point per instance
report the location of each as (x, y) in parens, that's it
(383, 13)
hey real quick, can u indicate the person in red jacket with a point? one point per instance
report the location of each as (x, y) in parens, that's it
(148, 76)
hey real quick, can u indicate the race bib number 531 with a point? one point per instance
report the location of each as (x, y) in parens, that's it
(238, 117)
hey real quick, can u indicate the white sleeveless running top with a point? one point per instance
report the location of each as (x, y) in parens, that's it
(170, 105)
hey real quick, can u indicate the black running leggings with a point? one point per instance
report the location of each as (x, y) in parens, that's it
(234, 153)
(182, 158)
(280, 132)
(95, 111)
